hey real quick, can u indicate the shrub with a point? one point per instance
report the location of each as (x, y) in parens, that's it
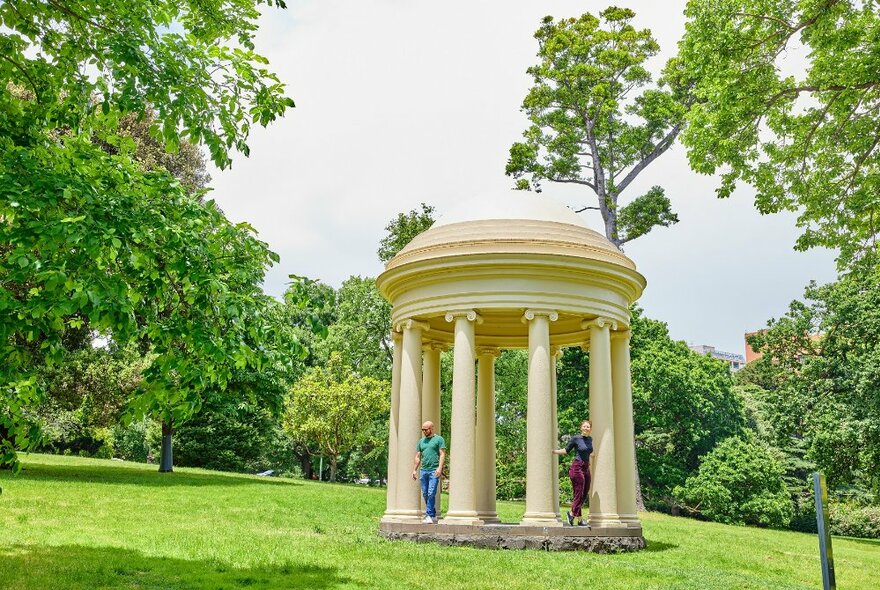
(226, 436)
(851, 520)
(136, 441)
(739, 482)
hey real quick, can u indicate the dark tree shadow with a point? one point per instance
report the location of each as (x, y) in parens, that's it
(74, 566)
(141, 477)
(658, 546)
(870, 542)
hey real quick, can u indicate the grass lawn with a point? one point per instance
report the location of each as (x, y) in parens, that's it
(84, 523)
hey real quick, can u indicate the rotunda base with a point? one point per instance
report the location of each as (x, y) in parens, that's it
(513, 536)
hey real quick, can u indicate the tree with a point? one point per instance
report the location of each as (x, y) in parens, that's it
(90, 236)
(403, 229)
(331, 407)
(683, 406)
(587, 127)
(361, 333)
(808, 141)
(828, 388)
(739, 482)
(192, 62)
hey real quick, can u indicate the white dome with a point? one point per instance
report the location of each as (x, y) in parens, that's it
(510, 204)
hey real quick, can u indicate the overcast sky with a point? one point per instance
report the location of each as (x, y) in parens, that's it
(402, 102)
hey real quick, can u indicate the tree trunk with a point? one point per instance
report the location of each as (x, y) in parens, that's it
(333, 468)
(305, 460)
(166, 459)
(640, 501)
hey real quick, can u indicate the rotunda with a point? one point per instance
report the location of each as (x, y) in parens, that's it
(511, 270)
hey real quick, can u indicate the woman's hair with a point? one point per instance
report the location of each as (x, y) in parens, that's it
(587, 422)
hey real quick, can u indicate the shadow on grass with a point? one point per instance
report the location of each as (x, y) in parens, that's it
(871, 542)
(658, 546)
(75, 566)
(126, 475)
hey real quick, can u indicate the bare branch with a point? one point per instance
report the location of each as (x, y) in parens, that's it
(572, 181)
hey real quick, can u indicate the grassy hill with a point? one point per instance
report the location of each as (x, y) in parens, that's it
(83, 523)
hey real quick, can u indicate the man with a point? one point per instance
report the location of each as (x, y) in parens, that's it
(428, 465)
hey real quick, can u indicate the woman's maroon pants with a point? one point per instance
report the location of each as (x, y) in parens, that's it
(579, 473)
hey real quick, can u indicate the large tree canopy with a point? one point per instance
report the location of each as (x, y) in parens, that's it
(821, 364)
(807, 141)
(193, 61)
(589, 127)
(92, 236)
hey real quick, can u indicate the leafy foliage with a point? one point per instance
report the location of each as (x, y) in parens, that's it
(403, 229)
(806, 141)
(739, 482)
(361, 333)
(683, 406)
(330, 409)
(193, 62)
(587, 128)
(826, 389)
(92, 238)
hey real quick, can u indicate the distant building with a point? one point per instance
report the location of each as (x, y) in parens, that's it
(751, 353)
(736, 361)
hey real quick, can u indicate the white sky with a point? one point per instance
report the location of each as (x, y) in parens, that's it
(400, 102)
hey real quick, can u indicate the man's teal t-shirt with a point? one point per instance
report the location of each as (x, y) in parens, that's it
(430, 450)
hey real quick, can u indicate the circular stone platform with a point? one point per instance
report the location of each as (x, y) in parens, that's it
(513, 536)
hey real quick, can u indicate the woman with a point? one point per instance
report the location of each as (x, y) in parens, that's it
(579, 473)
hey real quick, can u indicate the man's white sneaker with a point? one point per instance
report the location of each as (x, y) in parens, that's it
(428, 520)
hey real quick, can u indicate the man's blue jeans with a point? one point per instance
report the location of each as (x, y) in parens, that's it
(429, 483)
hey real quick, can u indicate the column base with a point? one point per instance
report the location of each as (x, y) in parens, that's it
(466, 517)
(602, 521)
(402, 516)
(544, 519)
(630, 521)
(489, 517)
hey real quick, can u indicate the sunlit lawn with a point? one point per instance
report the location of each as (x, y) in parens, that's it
(83, 523)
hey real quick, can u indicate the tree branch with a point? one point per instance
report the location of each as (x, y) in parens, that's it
(832, 88)
(572, 181)
(26, 75)
(661, 147)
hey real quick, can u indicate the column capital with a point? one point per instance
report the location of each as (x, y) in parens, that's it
(396, 335)
(470, 314)
(556, 351)
(531, 314)
(426, 346)
(493, 351)
(599, 322)
(412, 324)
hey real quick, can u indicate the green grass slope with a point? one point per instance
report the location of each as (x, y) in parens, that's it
(84, 523)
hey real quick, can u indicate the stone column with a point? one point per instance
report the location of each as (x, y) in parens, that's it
(603, 500)
(392, 479)
(431, 384)
(555, 353)
(409, 420)
(431, 396)
(484, 476)
(462, 499)
(624, 437)
(539, 455)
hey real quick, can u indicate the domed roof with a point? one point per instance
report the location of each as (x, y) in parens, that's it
(501, 254)
(510, 204)
(510, 222)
